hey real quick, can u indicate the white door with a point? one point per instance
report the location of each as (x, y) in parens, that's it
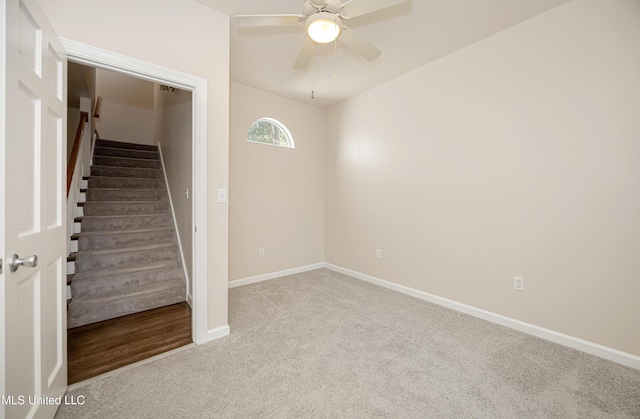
(32, 167)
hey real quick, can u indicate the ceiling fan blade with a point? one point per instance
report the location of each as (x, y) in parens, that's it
(355, 8)
(306, 53)
(269, 20)
(359, 44)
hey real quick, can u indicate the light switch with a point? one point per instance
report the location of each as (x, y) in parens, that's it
(222, 196)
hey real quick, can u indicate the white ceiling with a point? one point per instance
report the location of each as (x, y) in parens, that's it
(410, 35)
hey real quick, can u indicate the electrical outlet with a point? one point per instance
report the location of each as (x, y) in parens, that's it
(261, 251)
(518, 283)
(222, 196)
(378, 254)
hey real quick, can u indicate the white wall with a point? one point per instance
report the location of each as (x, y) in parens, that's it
(188, 37)
(518, 155)
(276, 194)
(173, 114)
(127, 108)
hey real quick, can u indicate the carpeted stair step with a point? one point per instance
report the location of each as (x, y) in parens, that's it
(126, 162)
(95, 260)
(86, 284)
(104, 240)
(126, 182)
(125, 207)
(125, 301)
(128, 258)
(132, 172)
(117, 144)
(125, 222)
(126, 152)
(113, 194)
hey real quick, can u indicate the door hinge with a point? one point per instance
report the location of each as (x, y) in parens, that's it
(0, 266)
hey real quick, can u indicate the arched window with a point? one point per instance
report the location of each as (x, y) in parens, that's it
(270, 131)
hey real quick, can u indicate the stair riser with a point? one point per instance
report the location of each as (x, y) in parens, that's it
(91, 262)
(107, 208)
(117, 144)
(126, 194)
(86, 312)
(126, 172)
(123, 240)
(122, 162)
(125, 183)
(88, 286)
(120, 152)
(125, 223)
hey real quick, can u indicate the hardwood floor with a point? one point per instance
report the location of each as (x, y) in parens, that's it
(102, 347)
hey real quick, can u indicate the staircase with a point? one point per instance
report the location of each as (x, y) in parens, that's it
(128, 258)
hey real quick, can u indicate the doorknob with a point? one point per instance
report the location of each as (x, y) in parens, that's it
(15, 262)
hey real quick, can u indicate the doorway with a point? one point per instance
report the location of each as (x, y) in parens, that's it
(96, 58)
(145, 258)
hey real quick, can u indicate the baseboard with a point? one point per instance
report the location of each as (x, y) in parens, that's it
(598, 350)
(213, 334)
(273, 275)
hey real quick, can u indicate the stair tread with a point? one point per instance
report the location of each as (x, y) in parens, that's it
(151, 155)
(127, 202)
(95, 308)
(125, 157)
(126, 189)
(154, 246)
(124, 216)
(124, 168)
(119, 146)
(132, 292)
(124, 177)
(150, 266)
(117, 232)
(106, 142)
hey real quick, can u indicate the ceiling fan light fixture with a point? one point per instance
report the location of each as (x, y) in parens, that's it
(324, 27)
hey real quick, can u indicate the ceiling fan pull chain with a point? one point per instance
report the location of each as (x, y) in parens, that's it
(313, 73)
(335, 58)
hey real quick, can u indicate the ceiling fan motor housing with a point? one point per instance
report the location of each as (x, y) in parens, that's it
(321, 6)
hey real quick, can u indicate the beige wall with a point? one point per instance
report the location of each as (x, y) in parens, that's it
(276, 195)
(73, 119)
(126, 113)
(81, 84)
(188, 37)
(518, 155)
(173, 113)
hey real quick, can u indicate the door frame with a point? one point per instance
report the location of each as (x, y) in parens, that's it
(3, 109)
(95, 57)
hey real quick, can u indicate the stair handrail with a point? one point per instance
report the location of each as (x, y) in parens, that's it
(84, 118)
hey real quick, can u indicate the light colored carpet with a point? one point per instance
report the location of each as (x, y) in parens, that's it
(321, 344)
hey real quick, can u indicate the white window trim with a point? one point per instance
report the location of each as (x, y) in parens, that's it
(279, 125)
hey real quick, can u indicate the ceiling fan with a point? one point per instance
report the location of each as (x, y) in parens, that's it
(323, 21)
